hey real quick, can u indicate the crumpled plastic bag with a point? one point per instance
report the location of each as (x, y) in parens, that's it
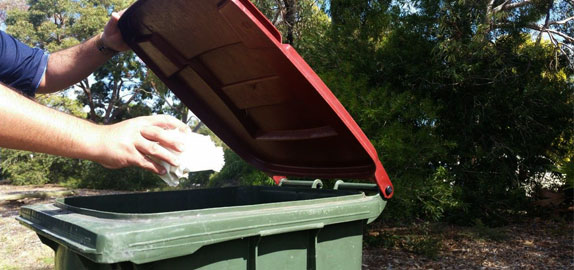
(199, 154)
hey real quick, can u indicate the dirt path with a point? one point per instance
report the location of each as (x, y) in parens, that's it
(537, 244)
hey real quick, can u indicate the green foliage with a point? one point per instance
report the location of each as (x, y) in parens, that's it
(371, 73)
(438, 195)
(422, 240)
(427, 246)
(383, 239)
(567, 168)
(26, 168)
(57, 24)
(238, 172)
(499, 115)
(97, 177)
(60, 102)
(463, 116)
(485, 232)
(22, 167)
(424, 199)
(196, 179)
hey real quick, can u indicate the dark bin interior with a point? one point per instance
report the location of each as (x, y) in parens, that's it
(170, 201)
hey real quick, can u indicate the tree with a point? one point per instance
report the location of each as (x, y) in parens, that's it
(453, 99)
(508, 16)
(9, 5)
(380, 80)
(167, 101)
(300, 21)
(505, 99)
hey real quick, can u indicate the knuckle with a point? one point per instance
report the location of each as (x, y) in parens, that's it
(153, 148)
(147, 164)
(153, 131)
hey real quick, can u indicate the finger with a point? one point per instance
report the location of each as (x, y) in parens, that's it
(166, 138)
(152, 166)
(153, 149)
(112, 33)
(117, 15)
(167, 121)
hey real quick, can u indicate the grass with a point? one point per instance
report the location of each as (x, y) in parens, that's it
(420, 240)
(484, 232)
(425, 245)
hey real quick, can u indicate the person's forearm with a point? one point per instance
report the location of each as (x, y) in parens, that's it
(71, 65)
(26, 125)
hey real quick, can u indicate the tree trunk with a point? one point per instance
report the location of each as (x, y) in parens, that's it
(85, 85)
(290, 18)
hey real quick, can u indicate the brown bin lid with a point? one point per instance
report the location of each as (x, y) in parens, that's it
(226, 62)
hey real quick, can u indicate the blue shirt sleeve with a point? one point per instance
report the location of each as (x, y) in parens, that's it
(21, 67)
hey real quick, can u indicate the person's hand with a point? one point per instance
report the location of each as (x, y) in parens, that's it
(112, 37)
(136, 142)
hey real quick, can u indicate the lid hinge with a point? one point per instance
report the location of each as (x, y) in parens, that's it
(301, 183)
(341, 185)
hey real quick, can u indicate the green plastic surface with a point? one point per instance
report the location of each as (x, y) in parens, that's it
(225, 228)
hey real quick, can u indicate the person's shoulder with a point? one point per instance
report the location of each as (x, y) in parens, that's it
(7, 50)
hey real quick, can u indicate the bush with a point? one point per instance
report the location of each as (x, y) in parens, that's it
(27, 168)
(383, 239)
(97, 177)
(422, 200)
(238, 172)
(485, 232)
(427, 246)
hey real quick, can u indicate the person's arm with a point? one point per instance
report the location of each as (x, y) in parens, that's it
(27, 125)
(73, 64)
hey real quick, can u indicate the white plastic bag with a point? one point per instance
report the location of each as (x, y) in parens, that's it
(200, 154)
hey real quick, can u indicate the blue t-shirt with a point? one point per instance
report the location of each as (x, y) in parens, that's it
(21, 67)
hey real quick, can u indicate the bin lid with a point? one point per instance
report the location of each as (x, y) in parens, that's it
(227, 63)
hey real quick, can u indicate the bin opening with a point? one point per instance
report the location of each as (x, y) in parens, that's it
(182, 200)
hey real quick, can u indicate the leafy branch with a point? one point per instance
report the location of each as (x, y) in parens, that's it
(561, 40)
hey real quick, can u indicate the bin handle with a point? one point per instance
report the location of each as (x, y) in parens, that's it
(313, 226)
(41, 230)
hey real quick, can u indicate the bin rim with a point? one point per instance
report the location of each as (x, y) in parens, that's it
(149, 239)
(345, 196)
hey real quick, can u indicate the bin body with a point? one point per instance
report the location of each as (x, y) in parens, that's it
(224, 228)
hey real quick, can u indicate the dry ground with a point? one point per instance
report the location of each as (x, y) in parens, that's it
(20, 248)
(537, 244)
